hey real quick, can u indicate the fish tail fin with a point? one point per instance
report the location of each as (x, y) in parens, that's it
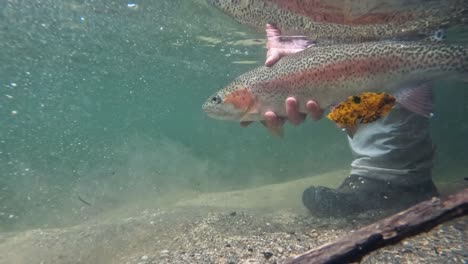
(418, 99)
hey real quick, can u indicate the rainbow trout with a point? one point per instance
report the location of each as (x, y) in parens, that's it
(328, 75)
(338, 21)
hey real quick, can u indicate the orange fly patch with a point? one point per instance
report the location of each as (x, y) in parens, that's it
(366, 107)
(240, 99)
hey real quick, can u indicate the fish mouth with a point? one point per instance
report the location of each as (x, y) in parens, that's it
(208, 111)
(219, 115)
(216, 116)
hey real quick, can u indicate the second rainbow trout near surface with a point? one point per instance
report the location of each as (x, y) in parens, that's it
(330, 74)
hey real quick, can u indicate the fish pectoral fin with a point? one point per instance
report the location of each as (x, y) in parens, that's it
(248, 114)
(418, 99)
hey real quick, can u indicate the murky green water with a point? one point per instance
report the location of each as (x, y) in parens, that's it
(101, 100)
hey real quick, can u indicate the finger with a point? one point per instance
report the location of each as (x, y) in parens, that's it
(314, 110)
(292, 111)
(273, 123)
(271, 120)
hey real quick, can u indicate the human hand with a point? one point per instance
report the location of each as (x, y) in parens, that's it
(274, 123)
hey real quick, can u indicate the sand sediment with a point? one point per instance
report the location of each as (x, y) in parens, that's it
(262, 225)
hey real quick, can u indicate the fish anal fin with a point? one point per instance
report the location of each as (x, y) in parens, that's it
(418, 99)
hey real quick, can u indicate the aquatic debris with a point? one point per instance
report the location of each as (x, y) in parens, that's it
(364, 108)
(267, 255)
(132, 6)
(415, 220)
(209, 40)
(83, 201)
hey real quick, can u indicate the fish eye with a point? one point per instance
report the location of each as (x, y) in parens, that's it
(216, 99)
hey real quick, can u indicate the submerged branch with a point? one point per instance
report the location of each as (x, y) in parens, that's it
(415, 220)
(84, 201)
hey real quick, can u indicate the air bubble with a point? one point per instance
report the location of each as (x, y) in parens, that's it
(132, 5)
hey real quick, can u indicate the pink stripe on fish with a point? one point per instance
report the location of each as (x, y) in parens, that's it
(355, 68)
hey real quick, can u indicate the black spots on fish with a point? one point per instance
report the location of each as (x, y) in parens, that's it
(356, 99)
(245, 9)
(394, 58)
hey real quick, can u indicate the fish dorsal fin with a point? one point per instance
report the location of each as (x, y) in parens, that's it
(418, 99)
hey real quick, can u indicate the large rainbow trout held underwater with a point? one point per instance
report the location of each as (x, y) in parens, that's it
(330, 74)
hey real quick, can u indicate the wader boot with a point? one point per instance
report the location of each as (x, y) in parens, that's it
(393, 159)
(357, 195)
